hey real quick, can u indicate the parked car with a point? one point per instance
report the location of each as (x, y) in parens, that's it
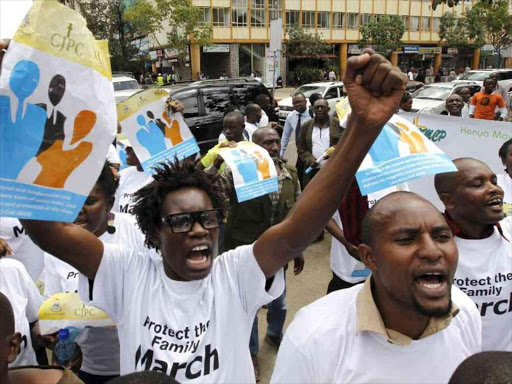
(413, 86)
(205, 102)
(331, 91)
(124, 87)
(432, 97)
(479, 75)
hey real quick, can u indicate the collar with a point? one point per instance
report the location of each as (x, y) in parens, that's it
(284, 173)
(369, 319)
(457, 231)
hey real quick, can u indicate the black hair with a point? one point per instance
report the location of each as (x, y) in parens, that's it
(504, 149)
(405, 97)
(484, 368)
(144, 377)
(169, 177)
(300, 94)
(252, 108)
(107, 182)
(314, 97)
(260, 98)
(489, 78)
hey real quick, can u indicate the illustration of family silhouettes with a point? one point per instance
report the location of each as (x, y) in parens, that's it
(32, 133)
(250, 166)
(157, 135)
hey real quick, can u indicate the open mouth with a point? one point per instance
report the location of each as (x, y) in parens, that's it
(82, 222)
(496, 204)
(432, 283)
(199, 257)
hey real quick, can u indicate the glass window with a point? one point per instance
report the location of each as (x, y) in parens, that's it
(292, 18)
(425, 23)
(405, 20)
(189, 101)
(205, 12)
(216, 99)
(239, 13)
(258, 13)
(432, 92)
(352, 20)
(414, 23)
(308, 19)
(338, 20)
(221, 17)
(275, 9)
(437, 24)
(366, 18)
(332, 93)
(308, 90)
(322, 20)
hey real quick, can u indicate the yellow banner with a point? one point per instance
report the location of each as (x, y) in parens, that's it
(60, 31)
(130, 106)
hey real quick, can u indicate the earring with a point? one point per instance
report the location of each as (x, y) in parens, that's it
(110, 223)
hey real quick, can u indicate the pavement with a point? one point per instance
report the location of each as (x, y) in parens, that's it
(301, 290)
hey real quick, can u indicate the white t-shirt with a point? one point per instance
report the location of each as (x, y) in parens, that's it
(484, 272)
(505, 182)
(195, 330)
(130, 181)
(250, 128)
(320, 139)
(100, 346)
(321, 346)
(346, 267)
(264, 120)
(25, 251)
(20, 289)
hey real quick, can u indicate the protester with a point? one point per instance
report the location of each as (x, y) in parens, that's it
(248, 220)
(317, 135)
(332, 75)
(465, 93)
(100, 346)
(454, 105)
(293, 122)
(405, 103)
(190, 315)
(484, 368)
(483, 104)
(474, 211)
(505, 179)
(253, 114)
(407, 319)
(502, 91)
(267, 109)
(312, 98)
(160, 80)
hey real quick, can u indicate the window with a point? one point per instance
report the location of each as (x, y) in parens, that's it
(322, 20)
(216, 99)
(405, 20)
(414, 23)
(366, 18)
(257, 13)
(292, 18)
(425, 24)
(308, 19)
(352, 20)
(205, 13)
(221, 17)
(189, 101)
(437, 24)
(332, 93)
(338, 20)
(239, 13)
(275, 9)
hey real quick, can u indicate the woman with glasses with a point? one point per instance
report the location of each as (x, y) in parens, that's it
(189, 314)
(100, 346)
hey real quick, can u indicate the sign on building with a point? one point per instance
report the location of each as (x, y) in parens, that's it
(216, 48)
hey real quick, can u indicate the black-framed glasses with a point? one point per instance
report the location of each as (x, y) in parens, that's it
(183, 222)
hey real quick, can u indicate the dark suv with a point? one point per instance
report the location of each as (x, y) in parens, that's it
(205, 102)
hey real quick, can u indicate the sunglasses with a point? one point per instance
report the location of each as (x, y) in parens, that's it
(183, 222)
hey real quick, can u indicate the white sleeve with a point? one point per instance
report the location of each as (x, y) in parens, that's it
(34, 299)
(287, 131)
(472, 109)
(108, 287)
(503, 112)
(241, 268)
(292, 366)
(264, 120)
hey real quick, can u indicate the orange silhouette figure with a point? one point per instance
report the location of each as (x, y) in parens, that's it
(412, 139)
(57, 163)
(172, 130)
(263, 165)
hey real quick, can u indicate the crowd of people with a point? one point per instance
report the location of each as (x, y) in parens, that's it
(182, 267)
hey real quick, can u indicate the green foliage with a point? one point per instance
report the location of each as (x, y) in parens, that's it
(497, 23)
(105, 19)
(384, 34)
(182, 22)
(306, 75)
(466, 31)
(302, 42)
(450, 3)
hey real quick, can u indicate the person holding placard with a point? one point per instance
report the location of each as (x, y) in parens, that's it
(505, 179)
(190, 313)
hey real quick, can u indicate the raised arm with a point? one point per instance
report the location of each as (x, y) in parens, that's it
(68, 242)
(374, 88)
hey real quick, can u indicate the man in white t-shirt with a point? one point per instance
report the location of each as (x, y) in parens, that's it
(505, 179)
(253, 114)
(190, 313)
(407, 319)
(474, 209)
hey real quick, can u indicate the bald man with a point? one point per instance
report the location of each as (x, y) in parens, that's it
(474, 210)
(405, 324)
(9, 340)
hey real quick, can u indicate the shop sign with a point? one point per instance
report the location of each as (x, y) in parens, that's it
(429, 50)
(452, 51)
(216, 48)
(411, 48)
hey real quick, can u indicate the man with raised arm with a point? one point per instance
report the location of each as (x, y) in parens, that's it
(190, 313)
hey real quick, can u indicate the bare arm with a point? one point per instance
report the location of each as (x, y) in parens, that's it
(68, 242)
(338, 234)
(374, 88)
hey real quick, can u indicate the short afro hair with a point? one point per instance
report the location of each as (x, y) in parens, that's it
(169, 177)
(107, 182)
(504, 149)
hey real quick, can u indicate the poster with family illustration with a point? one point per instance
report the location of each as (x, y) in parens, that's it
(58, 115)
(254, 171)
(153, 130)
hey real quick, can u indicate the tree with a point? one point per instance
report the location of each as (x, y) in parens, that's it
(182, 22)
(106, 20)
(466, 31)
(453, 3)
(384, 33)
(497, 24)
(306, 44)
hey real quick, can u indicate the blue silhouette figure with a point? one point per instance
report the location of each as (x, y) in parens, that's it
(150, 136)
(246, 167)
(20, 137)
(122, 156)
(386, 146)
